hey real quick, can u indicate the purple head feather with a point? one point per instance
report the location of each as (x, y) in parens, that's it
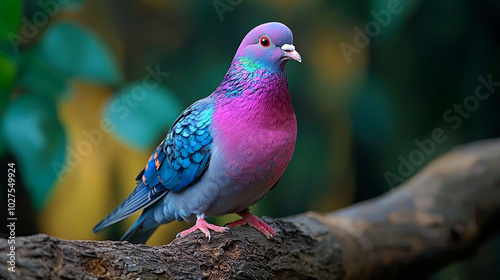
(269, 45)
(260, 61)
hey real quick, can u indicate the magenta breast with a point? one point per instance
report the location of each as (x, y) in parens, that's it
(256, 138)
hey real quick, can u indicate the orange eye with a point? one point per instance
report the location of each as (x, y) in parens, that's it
(264, 41)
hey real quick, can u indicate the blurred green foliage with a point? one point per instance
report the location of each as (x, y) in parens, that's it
(36, 137)
(81, 54)
(72, 95)
(133, 110)
(10, 13)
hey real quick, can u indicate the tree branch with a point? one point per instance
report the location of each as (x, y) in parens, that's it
(440, 215)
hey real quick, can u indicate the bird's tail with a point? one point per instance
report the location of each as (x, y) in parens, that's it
(142, 229)
(140, 198)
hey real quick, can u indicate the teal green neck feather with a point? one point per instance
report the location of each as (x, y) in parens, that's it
(249, 65)
(247, 75)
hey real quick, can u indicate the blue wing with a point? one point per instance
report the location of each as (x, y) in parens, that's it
(179, 160)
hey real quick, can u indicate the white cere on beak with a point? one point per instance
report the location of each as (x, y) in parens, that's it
(290, 52)
(288, 48)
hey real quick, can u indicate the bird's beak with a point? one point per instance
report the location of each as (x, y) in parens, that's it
(290, 52)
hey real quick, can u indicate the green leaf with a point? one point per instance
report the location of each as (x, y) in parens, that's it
(36, 138)
(73, 51)
(8, 68)
(140, 117)
(10, 18)
(37, 77)
(3, 105)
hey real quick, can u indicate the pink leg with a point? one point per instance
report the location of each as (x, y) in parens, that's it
(204, 226)
(254, 221)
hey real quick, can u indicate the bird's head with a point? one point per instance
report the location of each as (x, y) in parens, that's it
(268, 45)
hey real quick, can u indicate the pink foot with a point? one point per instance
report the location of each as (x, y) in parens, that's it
(254, 221)
(204, 226)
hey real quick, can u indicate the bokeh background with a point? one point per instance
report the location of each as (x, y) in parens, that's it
(79, 121)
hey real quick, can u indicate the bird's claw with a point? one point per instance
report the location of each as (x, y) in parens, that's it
(205, 227)
(255, 222)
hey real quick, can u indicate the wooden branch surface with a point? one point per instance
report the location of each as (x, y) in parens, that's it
(440, 215)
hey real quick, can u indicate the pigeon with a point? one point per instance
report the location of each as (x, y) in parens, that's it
(224, 152)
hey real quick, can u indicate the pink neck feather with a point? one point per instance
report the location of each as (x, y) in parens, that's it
(256, 129)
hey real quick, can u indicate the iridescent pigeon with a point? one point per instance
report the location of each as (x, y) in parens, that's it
(224, 152)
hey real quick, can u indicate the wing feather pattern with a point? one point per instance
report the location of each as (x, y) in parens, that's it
(179, 160)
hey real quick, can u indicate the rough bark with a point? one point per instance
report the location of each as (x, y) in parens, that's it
(440, 215)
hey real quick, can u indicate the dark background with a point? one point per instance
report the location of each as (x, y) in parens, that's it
(70, 70)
